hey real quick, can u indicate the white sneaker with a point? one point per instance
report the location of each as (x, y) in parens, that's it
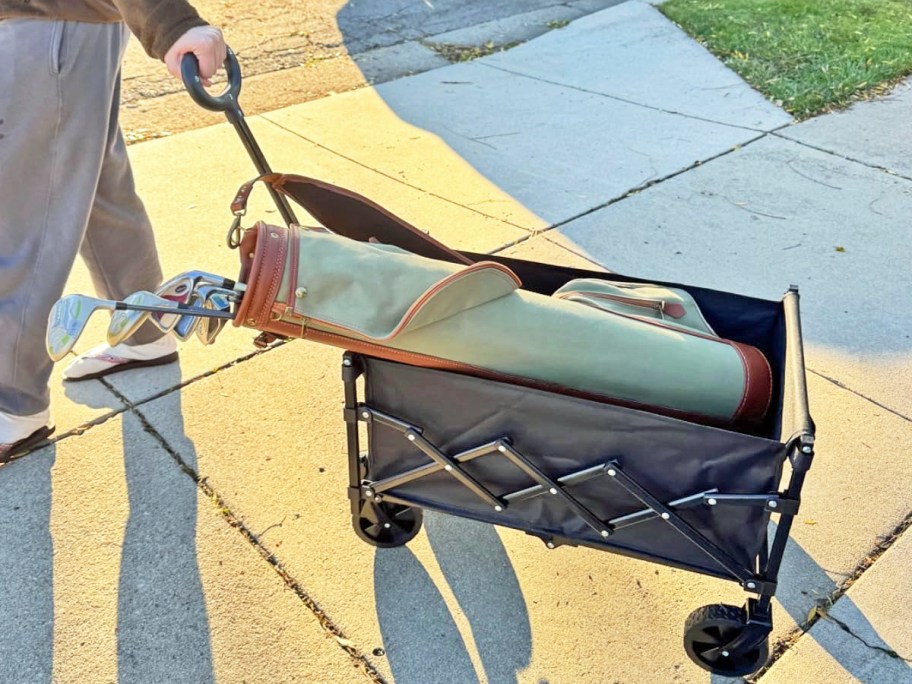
(19, 434)
(104, 360)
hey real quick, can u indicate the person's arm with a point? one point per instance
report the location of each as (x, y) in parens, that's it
(168, 29)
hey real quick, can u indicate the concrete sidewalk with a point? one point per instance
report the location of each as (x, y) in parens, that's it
(190, 523)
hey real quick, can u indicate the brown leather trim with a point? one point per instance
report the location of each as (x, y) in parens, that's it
(758, 383)
(265, 277)
(239, 204)
(247, 251)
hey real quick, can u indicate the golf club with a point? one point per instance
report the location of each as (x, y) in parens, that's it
(188, 325)
(208, 330)
(70, 314)
(125, 323)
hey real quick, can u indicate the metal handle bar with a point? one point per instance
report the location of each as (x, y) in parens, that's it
(227, 102)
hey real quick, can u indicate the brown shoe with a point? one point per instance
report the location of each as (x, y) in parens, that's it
(37, 439)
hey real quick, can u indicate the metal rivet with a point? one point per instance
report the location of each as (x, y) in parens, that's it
(725, 653)
(612, 472)
(366, 414)
(604, 533)
(773, 504)
(411, 438)
(498, 508)
(346, 362)
(387, 525)
(273, 235)
(251, 255)
(368, 494)
(552, 490)
(301, 292)
(501, 448)
(550, 545)
(806, 449)
(751, 585)
(712, 502)
(448, 468)
(665, 516)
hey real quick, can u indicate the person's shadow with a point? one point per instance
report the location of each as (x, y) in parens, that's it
(27, 569)
(162, 628)
(162, 623)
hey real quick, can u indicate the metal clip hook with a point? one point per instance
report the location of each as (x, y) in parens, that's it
(234, 232)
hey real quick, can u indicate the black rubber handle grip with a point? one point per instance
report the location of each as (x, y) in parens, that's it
(223, 102)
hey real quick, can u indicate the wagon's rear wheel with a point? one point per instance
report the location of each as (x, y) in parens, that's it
(386, 524)
(707, 631)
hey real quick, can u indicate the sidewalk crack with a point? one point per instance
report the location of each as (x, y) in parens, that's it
(628, 193)
(328, 625)
(842, 385)
(394, 178)
(883, 543)
(635, 103)
(821, 610)
(832, 153)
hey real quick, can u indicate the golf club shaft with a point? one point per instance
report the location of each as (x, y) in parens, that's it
(181, 309)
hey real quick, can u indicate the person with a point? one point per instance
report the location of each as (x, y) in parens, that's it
(66, 186)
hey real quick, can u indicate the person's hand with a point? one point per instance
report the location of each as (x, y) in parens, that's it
(206, 43)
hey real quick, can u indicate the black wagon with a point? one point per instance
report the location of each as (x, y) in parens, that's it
(569, 470)
(575, 472)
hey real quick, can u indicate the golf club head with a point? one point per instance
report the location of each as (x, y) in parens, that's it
(178, 289)
(67, 320)
(186, 325)
(126, 322)
(194, 278)
(208, 329)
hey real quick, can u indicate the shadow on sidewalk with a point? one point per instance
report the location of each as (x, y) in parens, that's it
(422, 641)
(162, 630)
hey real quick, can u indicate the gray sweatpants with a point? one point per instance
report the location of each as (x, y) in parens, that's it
(65, 188)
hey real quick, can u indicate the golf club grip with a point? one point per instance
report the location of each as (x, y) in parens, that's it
(225, 101)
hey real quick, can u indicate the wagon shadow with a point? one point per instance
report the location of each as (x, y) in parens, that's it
(421, 638)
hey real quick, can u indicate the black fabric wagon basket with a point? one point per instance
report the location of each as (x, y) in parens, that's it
(578, 472)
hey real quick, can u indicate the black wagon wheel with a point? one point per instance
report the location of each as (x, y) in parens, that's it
(386, 524)
(709, 629)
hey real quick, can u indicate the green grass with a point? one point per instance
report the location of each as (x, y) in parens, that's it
(808, 56)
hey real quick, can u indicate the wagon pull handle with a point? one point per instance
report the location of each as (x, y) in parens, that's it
(227, 101)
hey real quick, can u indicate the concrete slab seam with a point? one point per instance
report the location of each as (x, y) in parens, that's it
(265, 117)
(833, 153)
(842, 385)
(820, 610)
(189, 381)
(360, 660)
(628, 193)
(625, 100)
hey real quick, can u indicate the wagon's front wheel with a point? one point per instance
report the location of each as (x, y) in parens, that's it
(709, 629)
(386, 524)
